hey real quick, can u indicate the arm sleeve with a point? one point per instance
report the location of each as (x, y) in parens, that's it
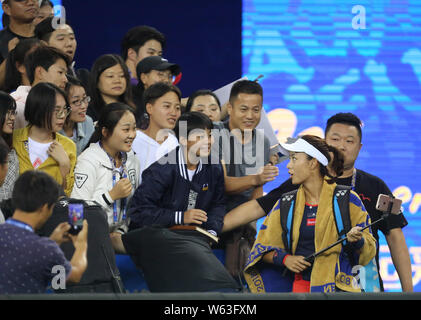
(70, 178)
(393, 221)
(146, 205)
(86, 186)
(268, 201)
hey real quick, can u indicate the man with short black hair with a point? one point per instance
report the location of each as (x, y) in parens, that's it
(343, 131)
(27, 260)
(62, 37)
(138, 43)
(44, 64)
(244, 153)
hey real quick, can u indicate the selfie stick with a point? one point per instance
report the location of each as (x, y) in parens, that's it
(311, 257)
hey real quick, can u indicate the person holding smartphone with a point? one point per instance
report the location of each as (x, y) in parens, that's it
(28, 260)
(108, 170)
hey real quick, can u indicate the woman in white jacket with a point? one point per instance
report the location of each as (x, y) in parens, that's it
(108, 170)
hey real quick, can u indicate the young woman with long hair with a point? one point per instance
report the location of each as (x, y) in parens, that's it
(109, 83)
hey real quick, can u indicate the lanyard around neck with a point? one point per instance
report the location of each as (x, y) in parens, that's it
(19, 224)
(123, 174)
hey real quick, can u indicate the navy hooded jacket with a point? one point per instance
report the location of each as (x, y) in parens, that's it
(166, 193)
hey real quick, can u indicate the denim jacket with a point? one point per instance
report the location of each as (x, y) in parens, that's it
(84, 131)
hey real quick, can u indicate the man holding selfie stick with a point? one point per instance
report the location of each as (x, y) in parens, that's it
(28, 261)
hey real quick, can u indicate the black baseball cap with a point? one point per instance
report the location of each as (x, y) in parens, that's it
(156, 63)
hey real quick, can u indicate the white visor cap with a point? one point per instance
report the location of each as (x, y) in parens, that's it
(303, 146)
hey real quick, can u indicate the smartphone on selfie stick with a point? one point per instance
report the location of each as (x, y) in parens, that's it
(387, 204)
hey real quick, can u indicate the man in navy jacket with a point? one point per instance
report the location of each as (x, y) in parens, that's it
(183, 188)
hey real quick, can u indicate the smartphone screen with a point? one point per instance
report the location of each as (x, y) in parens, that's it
(75, 217)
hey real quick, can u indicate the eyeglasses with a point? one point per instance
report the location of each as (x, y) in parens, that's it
(85, 100)
(62, 113)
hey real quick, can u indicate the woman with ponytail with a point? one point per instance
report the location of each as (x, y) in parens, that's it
(108, 170)
(304, 222)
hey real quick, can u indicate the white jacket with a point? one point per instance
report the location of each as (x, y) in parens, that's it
(94, 180)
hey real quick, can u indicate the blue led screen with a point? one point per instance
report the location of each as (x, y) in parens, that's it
(319, 58)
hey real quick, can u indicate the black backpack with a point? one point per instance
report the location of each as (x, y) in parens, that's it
(102, 274)
(340, 207)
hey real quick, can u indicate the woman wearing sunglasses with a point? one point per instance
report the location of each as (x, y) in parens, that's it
(39, 146)
(78, 126)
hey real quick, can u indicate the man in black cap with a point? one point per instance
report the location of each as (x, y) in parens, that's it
(156, 69)
(150, 71)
